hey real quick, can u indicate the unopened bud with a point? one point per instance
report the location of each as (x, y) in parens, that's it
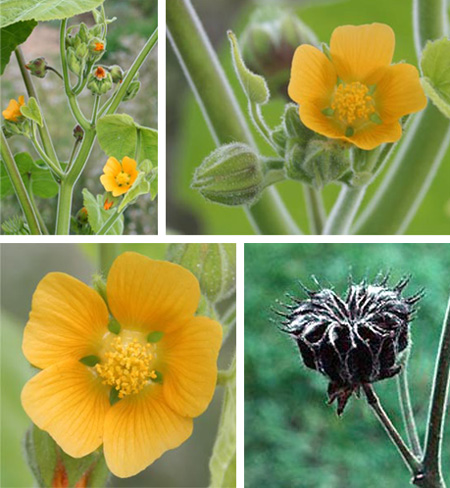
(78, 133)
(269, 42)
(83, 33)
(74, 63)
(132, 90)
(96, 47)
(293, 166)
(116, 73)
(99, 81)
(214, 265)
(279, 138)
(231, 175)
(81, 51)
(37, 67)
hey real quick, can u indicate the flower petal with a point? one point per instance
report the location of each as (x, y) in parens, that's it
(145, 294)
(129, 165)
(315, 120)
(67, 321)
(399, 92)
(112, 167)
(70, 403)
(358, 51)
(376, 134)
(313, 77)
(190, 365)
(109, 183)
(139, 429)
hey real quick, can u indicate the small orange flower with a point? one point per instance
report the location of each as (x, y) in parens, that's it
(12, 111)
(100, 73)
(133, 386)
(108, 204)
(119, 177)
(357, 95)
(99, 46)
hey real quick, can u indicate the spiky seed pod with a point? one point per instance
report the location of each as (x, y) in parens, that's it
(352, 340)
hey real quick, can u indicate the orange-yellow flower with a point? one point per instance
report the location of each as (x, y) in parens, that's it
(12, 111)
(357, 95)
(119, 177)
(154, 375)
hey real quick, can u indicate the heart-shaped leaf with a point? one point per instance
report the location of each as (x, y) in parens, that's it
(32, 111)
(11, 37)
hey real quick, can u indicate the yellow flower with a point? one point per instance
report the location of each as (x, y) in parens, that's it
(119, 177)
(12, 111)
(357, 95)
(161, 366)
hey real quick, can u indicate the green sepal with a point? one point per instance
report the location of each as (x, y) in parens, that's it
(90, 360)
(114, 326)
(254, 86)
(32, 111)
(155, 336)
(113, 396)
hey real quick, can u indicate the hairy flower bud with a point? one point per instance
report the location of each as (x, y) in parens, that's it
(117, 73)
(269, 41)
(231, 175)
(353, 340)
(96, 48)
(74, 63)
(132, 90)
(99, 81)
(37, 67)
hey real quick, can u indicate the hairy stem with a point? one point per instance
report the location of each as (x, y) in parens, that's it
(411, 462)
(438, 406)
(407, 412)
(110, 222)
(52, 166)
(315, 209)
(19, 187)
(344, 211)
(218, 103)
(43, 131)
(430, 21)
(107, 255)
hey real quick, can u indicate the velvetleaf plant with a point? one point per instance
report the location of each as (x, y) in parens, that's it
(130, 164)
(363, 337)
(125, 366)
(356, 119)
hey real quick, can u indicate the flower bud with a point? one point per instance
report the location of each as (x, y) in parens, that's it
(279, 138)
(214, 265)
(81, 51)
(293, 166)
(132, 90)
(78, 133)
(83, 33)
(354, 339)
(96, 31)
(116, 73)
(74, 63)
(37, 67)
(269, 41)
(96, 48)
(231, 175)
(99, 81)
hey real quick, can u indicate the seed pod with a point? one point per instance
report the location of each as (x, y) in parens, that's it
(353, 340)
(37, 67)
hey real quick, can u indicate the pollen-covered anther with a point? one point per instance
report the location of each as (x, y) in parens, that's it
(123, 178)
(127, 367)
(352, 102)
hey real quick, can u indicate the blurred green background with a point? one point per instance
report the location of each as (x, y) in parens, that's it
(292, 438)
(22, 267)
(189, 141)
(135, 22)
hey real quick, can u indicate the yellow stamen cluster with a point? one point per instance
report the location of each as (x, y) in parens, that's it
(127, 368)
(123, 178)
(352, 102)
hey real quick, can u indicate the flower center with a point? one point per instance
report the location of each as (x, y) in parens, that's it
(123, 178)
(127, 367)
(100, 73)
(353, 102)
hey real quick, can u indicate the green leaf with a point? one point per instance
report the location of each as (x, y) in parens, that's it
(24, 164)
(254, 86)
(140, 187)
(32, 111)
(17, 10)
(154, 184)
(11, 37)
(149, 144)
(97, 215)
(42, 183)
(435, 64)
(117, 135)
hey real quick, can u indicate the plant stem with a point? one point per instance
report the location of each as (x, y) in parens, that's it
(19, 187)
(228, 320)
(430, 21)
(73, 102)
(52, 166)
(110, 222)
(259, 122)
(220, 108)
(107, 255)
(315, 209)
(95, 110)
(411, 462)
(49, 68)
(145, 51)
(41, 222)
(407, 412)
(438, 405)
(43, 131)
(344, 211)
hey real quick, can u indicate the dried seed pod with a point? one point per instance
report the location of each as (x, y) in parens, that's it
(353, 340)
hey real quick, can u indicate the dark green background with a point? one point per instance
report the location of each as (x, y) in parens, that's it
(292, 438)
